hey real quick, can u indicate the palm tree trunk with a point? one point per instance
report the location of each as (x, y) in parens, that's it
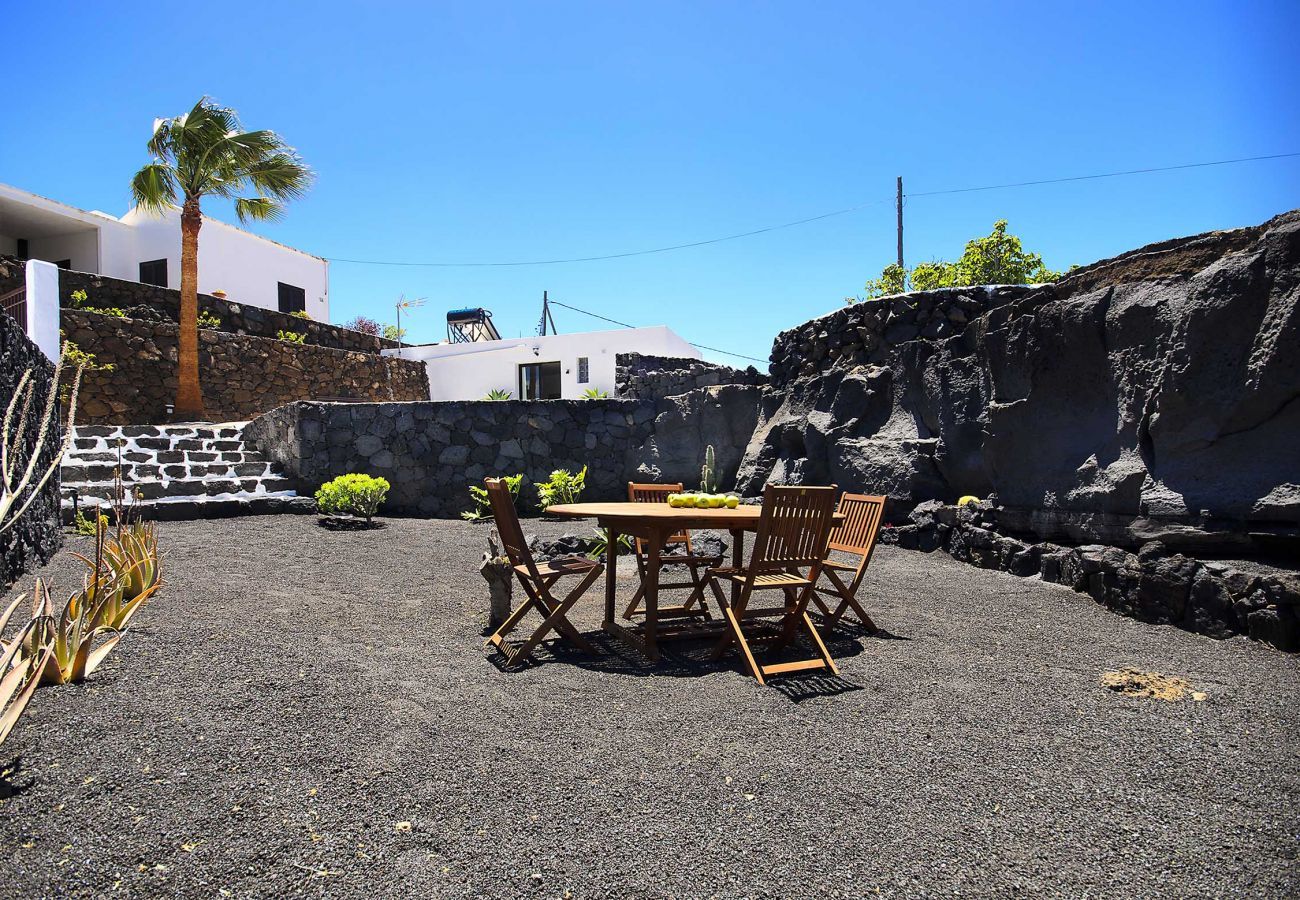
(189, 399)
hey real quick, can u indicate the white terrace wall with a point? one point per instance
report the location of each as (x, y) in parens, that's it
(470, 371)
(247, 267)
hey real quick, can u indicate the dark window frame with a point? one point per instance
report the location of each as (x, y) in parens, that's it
(547, 371)
(297, 297)
(584, 370)
(148, 279)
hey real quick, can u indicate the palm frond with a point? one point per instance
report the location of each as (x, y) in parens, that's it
(281, 175)
(258, 209)
(153, 188)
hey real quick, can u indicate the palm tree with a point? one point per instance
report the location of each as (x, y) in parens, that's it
(206, 152)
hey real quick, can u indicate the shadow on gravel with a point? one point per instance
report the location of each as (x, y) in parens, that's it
(9, 786)
(808, 687)
(685, 659)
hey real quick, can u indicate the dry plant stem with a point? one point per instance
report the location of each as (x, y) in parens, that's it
(16, 421)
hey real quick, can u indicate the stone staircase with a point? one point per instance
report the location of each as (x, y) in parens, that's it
(175, 472)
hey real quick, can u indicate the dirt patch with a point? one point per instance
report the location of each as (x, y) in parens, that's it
(1157, 686)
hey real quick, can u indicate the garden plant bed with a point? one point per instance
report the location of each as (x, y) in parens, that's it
(307, 712)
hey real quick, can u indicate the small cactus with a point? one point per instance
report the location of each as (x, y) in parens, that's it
(709, 473)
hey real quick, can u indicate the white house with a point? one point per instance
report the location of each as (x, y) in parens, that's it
(550, 367)
(146, 248)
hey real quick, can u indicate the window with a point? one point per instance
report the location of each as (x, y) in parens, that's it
(292, 299)
(154, 272)
(20, 248)
(539, 381)
(64, 264)
(584, 370)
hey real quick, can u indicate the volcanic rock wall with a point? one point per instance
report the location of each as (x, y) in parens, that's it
(160, 304)
(36, 536)
(1153, 395)
(638, 375)
(242, 375)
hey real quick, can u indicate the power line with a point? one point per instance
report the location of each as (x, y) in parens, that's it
(626, 325)
(797, 222)
(578, 259)
(1200, 165)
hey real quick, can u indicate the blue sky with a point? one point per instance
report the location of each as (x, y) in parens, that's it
(518, 131)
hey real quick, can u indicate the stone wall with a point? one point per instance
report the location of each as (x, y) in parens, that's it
(1152, 396)
(1153, 585)
(241, 375)
(36, 536)
(145, 301)
(430, 452)
(640, 376)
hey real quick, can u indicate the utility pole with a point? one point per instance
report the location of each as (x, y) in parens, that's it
(900, 221)
(546, 317)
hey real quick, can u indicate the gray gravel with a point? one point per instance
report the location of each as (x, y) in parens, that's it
(295, 696)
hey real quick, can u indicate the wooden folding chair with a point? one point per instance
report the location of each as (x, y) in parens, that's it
(792, 534)
(536, 581)
(695, 563)
(855, 536)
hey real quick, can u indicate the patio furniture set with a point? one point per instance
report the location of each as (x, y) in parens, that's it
(807, 547)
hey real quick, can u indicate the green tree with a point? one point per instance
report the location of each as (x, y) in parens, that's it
(206, 152)
(999, 258)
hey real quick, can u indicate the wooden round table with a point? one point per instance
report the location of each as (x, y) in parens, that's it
(654, 523)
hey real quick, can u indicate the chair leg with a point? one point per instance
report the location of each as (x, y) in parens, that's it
(554, 615)
(848, 600)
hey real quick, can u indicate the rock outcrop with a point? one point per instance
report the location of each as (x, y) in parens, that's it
(1155, 395)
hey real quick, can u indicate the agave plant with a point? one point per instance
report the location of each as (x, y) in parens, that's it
(77, 646)
(125, 572)
(22, 660)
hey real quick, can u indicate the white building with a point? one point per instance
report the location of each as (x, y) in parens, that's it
(550, 367)
(146, 248)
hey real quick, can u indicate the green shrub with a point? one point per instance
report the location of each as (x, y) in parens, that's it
(594, 394)
(354, 494)
(482, 510)
(497, 394)
(301, 314)
(84, 525)
(208, 320)
(599, 548)
(292, 337)
(562, 487)
(79, 299)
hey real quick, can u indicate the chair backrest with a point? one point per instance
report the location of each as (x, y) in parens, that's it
(794, 528)
(507, 522)
(657, 493)
(857, 533)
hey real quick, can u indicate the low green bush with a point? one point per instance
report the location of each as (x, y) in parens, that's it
(292, 337)
(208, 320)
(562, 487)
(482, 510)
(354, 494)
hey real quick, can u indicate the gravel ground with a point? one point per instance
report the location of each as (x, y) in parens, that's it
(307, 713)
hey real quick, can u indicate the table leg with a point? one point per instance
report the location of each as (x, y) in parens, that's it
(737, 559)
(650, 594)
(611, 574)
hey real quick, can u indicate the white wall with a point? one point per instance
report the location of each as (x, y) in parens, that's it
(81, 248)
(247, 267)
(469, 371)
(43, 306)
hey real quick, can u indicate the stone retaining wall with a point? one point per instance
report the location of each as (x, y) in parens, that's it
(1154, 585)
(36, 536)
(640, 376)
(430, 452)
(163, 304)
(241, 375)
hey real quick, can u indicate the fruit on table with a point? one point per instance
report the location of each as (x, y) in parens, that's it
(703, 501)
